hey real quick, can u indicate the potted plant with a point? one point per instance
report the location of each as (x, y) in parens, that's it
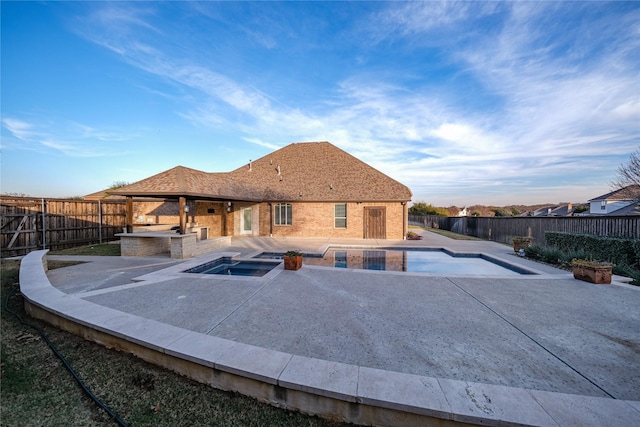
(521, 242)
(292, 260)
(597, 272)
(412, 235)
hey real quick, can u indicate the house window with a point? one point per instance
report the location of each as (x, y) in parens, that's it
(340, 215)
(603, 205)
(282, 214)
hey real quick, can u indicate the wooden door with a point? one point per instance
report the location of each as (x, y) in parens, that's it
(375, 221)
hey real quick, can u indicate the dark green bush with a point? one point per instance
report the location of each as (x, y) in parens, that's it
(602, 248)
(553, 255)
(624, 253)
(627, 271)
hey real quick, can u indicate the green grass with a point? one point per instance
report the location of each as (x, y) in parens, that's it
(449, 234)
(104, 249)
(38, 390)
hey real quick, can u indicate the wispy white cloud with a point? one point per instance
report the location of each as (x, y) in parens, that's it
(562, 105)
(561, 116)
(20, 129)
(555, 103)
(66, 138)
(425, 23)
(262, 143)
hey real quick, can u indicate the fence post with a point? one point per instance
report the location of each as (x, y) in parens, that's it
(99, 222)
(44, 226)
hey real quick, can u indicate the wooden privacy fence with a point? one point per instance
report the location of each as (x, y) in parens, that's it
(29, 223)
(502, 229)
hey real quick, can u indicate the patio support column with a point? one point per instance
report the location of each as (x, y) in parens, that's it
(129, 214)
(405, 219)
(225, 219)
(183, 215)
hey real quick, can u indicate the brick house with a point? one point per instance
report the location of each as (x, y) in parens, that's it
(310, 189)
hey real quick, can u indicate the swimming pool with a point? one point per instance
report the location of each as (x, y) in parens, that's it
(435, 261)
(231, 267)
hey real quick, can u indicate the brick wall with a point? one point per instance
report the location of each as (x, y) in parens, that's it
(160, 212)
(309, 219)
(211, 215)
(317, 220)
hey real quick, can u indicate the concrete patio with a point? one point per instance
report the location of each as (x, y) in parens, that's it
(541, 349)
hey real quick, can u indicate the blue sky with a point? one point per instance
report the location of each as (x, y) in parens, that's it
(464, 102)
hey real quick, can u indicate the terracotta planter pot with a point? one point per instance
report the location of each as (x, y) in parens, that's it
(292, 262)
(598, 274)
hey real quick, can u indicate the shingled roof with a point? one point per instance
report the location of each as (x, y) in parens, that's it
(319, 171)
(627, 193)
(183, 181)
(309, 171)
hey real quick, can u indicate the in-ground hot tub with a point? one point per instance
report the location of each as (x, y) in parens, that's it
(230, 267)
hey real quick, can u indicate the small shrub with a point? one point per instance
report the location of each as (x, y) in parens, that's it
(412, 235)
(569, 256)
(627, 271)
(534, 252)
(553, 255)
(590, 263)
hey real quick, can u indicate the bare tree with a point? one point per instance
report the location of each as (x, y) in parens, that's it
(629, 175)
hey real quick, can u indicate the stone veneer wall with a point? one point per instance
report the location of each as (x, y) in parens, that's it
(144, 247)
(188, 246)
(184, 247)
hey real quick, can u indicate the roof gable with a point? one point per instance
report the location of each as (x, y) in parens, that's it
(629, 192)
(319, 171)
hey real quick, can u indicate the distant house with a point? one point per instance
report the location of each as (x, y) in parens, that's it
(463, 212)
(568, 209)
(545, 211)
(311, 189)
(618, 202)
(556, 210)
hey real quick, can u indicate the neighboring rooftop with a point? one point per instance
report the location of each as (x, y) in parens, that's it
(630, 192)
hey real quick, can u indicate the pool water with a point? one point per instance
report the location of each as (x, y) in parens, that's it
(435, 261)
(227, 266)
